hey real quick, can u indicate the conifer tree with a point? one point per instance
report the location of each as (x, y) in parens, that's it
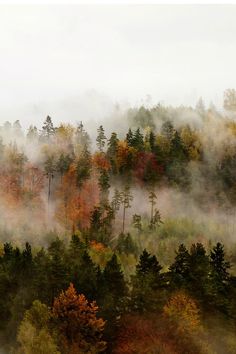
(48, 129)
(101, 139)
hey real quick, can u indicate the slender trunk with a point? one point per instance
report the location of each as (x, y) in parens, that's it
(151, 211)
(123, 227)
(49, 188)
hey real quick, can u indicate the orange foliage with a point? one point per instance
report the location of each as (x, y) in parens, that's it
(183, 313)
(100, 161)
(143, 335)
(75, 204)
(97, 246)
(76, 319)
(125, 155)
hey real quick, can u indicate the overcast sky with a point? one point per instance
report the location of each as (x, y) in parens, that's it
(71, 61)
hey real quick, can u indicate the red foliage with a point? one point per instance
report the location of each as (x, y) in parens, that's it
(147, 167)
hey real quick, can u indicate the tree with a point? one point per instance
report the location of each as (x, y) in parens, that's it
(148, 284)
(156, 220)
(126, 198)
(113, 294)
(112, 151)
(183, 314)
(137, 141)
(152, 199)
(220, 278)
(104, 185)
(180, 269)
(83, 167)
(77, 323)
(57, 268)
(49, 168)
(230, 100)
(125, 244)
(101, 139)
(137, 222)
(33, 334)
(116, 200)
(63, 164)
(48, 129)
(199, 274)
(81, 136)
(129, 137)
(167, 130)
(32, 134)
(200, 107)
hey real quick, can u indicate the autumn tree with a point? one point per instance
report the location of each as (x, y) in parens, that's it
(34, 336)
(183, 314)
(76, 321)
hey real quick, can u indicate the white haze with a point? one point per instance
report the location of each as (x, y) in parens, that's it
(54, 58)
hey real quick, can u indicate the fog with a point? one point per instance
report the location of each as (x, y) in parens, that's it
(53, 56)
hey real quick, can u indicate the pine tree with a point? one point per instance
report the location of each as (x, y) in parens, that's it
(167, 130)
(152, 140)
(48, 129)
(63, 164)
(49, 168)
(126, 198)
(129, 137)
(83, 167)
(101, 139)
(104, 185)
(112, 151)
(148, 284)
(138, 142)
(199, 273)
(219, 278)
(180, 269)
(137, 222)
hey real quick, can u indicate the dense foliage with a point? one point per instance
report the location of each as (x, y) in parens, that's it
(124, 243)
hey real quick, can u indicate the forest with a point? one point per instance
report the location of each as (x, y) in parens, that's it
(121, 239)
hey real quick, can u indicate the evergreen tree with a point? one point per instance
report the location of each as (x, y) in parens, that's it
(114, 279)
(104, 185)
(180, 269)
(101, 139)
(152, 140)
(83, 167)
(199, 273)
(220, 278)
(32, 134)
(167, 130)
(137, 141)
(126, 198)
(112, 151)
(63, 164)
(48, 129)
(129, 137)
(49, 168)
(148, 284)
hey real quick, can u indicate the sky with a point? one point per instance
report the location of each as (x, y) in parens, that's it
(74, 62)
